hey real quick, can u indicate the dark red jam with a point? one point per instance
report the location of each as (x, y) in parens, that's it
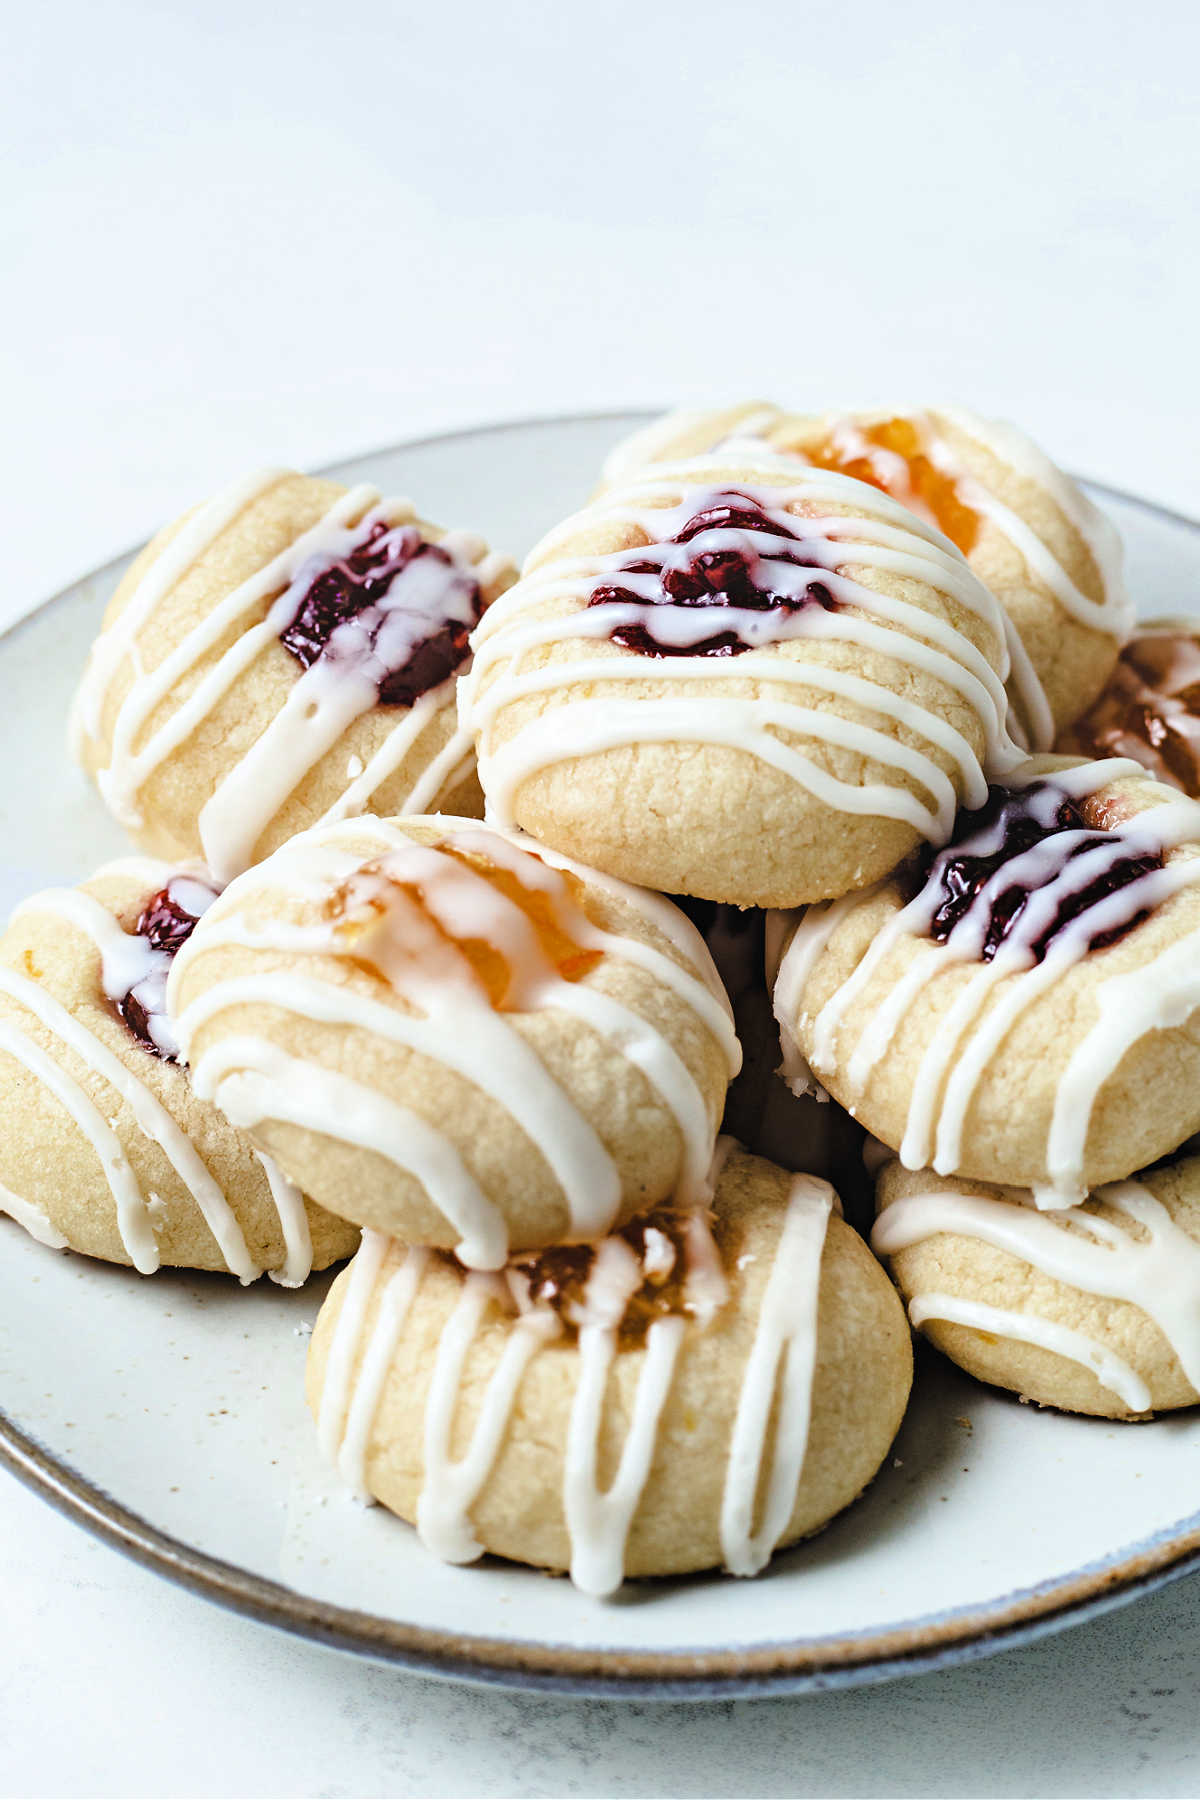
(165, 924)
(729, 553)
(395, 606)
(1012, 822)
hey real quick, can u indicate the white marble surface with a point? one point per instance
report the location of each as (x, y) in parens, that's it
(235, 234)
(115, 1683)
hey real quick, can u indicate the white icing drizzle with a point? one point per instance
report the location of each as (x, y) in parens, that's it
(252, 1081)
(1156, 1267)
(704, 991)
(293, 1224)
(189, 544)
(31, 1218)
(325, 700)
(530, 619)
(1110, 1370)
(133, 1217)
(1036, 730)
(705, 1288)
(129, 963)
(452, 1021)
(783, 1358)
(794, 966)
(360, 1405)
(338, 688)
(337, 1389)
(1157, 998)
(971, 1030)
(129, 769)
(452, 764)
(661, 439)
(598, 1521)
(453, 1484)
(848, 433)
(1115, 613)
(971, 678)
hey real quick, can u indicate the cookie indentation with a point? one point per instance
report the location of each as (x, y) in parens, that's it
(731, 553)
(1023, 867)
(465, 918)
(665, 1267)
(395, 607)
(893, 457)
(165, 924)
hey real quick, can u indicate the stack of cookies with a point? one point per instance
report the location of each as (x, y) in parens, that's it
(485, 911)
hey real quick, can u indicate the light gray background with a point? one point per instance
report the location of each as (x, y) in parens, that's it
(236, 232)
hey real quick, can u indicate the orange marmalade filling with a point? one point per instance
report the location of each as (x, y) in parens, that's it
(392, 925)
(889, 456)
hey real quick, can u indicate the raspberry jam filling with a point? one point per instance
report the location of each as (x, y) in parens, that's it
(1021, 869)
(164, 925)
(396, 608)
(732, 552)
(1150, 709)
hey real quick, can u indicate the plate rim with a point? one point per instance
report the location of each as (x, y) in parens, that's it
(854, 1659)
(800, 1666)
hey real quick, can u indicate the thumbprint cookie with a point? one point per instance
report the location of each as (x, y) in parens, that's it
(1022, 1005)
(696, 1391)
(456, 1037)
(1032, 536)
(284, 655)
(1093, 1309)
(105, 1147)
(746, 682)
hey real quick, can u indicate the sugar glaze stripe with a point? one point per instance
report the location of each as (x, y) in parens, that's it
(598, 1522)
(1150, 1262)
(530, 619)
(134, 1220)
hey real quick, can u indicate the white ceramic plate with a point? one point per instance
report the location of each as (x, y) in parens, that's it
(167, 1414)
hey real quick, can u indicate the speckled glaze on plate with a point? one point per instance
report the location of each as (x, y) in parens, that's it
(167, 1414)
